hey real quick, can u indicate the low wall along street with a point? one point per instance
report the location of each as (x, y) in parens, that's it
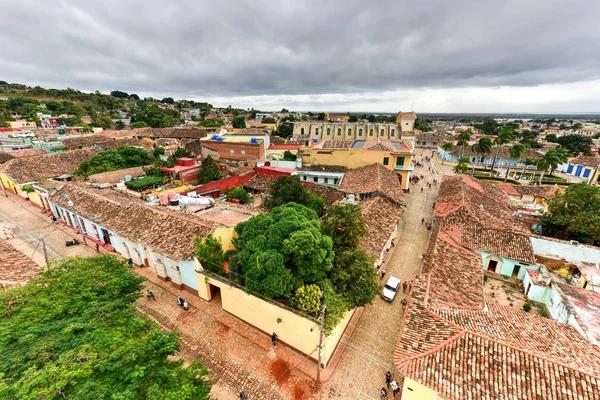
(296, 331)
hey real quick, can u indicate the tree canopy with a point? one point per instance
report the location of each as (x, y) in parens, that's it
(576, 144)
(73, 333)
(209, 170)
(238, 193)
(239, 122)
(574, 215)
(289, 189)
(113, 160)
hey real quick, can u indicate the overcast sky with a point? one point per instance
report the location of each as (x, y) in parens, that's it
(344, 55)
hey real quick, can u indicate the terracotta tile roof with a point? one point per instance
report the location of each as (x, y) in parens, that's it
(545, 192)
(259, 183)
(431, 137)
(162, 230)
(509, 189)
(585, 305)
(456, 273)
(588, 161)
(408, 115)
(255, 123)
(329, 194)
(497, 353)
(15, 267)
(381, 217)
(460, 201)
(74, 143)
(9, 155)
(334, 144)
(31, 169)
(380, 145)
(374, 178)
(504, 243)
(133, 142)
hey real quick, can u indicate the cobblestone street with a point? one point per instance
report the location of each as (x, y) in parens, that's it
(360, 372)
(238, 355)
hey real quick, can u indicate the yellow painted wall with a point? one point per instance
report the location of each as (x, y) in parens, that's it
(9, 185)
(34, 197)
(352, 158)
(355, 158)
(294, 330)
(413, 390)
(271, 126)
(225, 234)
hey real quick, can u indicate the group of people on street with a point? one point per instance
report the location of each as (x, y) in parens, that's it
(391, 384)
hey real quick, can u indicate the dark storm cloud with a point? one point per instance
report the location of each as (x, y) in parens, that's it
(238, 48)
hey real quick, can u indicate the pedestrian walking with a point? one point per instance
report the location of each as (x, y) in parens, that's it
(150, 295)
(388, 378)
(422, 221)
(382, 273)
(130, 263)
(274, 339)
(97, 248)
(383, 394)
(410, 286)
(421, 189)
(404, 286)
(395, 388)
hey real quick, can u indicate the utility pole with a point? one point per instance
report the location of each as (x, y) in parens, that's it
(72, 206)
(322, 331)
(45, 251)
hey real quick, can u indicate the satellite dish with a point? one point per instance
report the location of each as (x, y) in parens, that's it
(127, 178)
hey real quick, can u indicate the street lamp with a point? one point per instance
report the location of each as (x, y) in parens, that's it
(72, 207)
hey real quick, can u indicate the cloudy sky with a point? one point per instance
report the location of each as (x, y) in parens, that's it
(343, 55)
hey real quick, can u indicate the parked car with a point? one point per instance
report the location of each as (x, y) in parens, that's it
(391, 288)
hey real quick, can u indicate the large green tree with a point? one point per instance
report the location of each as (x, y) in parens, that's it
(289, 242)
(289, 189)
(574, 215)
(239, 122)
(113, 160)
(210, 253)
(353, 275)
(209, 170)
(73, 333)
(576, 144)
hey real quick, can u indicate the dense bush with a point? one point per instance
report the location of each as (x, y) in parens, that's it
(146, 182)
(239, 193)
(113, 160)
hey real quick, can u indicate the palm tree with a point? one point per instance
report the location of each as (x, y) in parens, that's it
(505, 136)
(446, 146)
(527, 162)
(462, 167)
(483, 146)
(515, 152)
(551, 160)
(562, 155)
(463, 139)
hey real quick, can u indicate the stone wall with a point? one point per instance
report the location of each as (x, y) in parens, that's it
(117, 176)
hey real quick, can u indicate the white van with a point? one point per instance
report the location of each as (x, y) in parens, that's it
(390, 289)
